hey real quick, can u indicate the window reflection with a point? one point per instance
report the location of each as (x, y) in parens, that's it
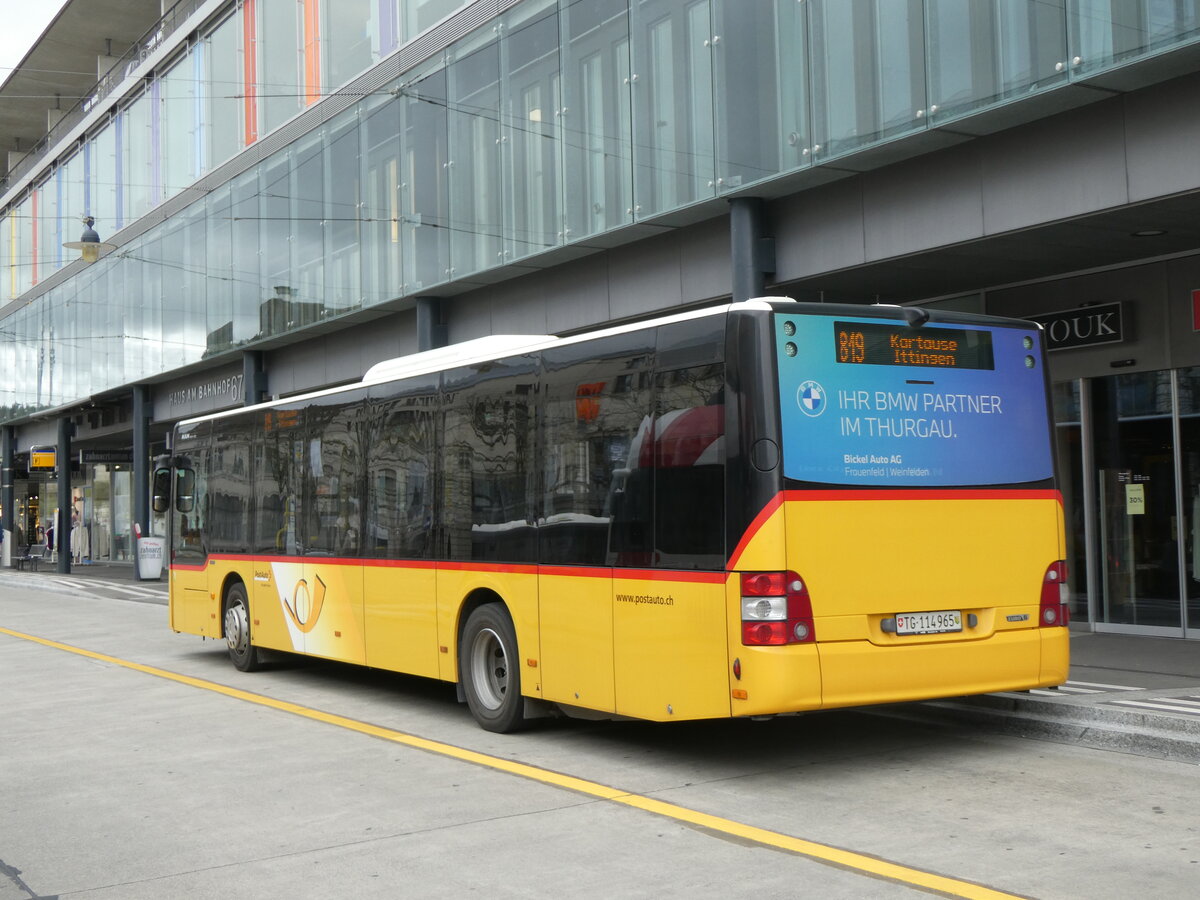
(868, 71)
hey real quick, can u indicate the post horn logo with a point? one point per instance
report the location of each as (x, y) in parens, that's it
(304, 610)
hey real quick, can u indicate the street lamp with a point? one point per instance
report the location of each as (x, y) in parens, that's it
(89, 245)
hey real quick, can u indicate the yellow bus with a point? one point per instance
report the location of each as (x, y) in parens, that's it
(762, 508)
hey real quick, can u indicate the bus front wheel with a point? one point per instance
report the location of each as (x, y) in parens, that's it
(490, 669)
(243, 654)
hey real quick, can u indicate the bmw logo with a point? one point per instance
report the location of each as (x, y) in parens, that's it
(811, 398)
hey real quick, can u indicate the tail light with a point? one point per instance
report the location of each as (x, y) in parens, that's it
(776, 609)
(1056, 597)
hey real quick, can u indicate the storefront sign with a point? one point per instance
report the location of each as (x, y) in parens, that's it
(92, 457)
(227, 389)
(1084, 327)
(1135, 499)
(191, 397)
(43, 459)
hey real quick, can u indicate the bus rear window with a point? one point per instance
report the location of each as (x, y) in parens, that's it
(881, 403)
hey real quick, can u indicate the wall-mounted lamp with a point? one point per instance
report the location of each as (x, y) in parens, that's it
(89, 245)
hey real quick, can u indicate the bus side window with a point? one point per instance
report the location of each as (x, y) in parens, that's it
(185, 490)
(162, 490)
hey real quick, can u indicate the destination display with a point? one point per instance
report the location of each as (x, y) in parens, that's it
(901, 345)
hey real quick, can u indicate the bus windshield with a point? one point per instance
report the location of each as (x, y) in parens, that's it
(877, 402)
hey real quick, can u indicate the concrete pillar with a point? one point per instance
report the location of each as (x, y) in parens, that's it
(752, 253)
(104, 63)
(141, 463)
(62, 525)
(432, 331)
(254, 378)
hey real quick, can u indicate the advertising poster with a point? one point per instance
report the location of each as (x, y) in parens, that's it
(880, 403)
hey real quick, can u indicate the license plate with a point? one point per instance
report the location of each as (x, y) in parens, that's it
(939, 622)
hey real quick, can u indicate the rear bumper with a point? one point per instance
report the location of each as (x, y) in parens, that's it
(855, 673)
(858, 673)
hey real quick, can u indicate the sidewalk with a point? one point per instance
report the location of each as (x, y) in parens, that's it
(1126, 693)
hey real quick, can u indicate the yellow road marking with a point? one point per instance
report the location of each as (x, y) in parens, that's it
(870, 865)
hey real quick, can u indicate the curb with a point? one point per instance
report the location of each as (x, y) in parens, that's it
(1174, 738)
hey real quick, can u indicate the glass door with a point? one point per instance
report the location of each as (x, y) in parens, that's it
(1134, 451)
(1189, 444)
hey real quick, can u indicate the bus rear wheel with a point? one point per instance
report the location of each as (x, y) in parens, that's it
(242, 653)
(490, 669)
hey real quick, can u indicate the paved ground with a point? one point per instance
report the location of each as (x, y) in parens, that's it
(1128, 693)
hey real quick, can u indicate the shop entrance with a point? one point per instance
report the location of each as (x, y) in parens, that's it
(1129, 451)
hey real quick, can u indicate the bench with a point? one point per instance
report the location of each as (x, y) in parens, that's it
(33, 554)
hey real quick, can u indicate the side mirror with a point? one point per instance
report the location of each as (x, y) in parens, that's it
(161, 492)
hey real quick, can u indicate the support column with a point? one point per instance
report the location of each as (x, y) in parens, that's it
(62, 525)
(431, 329)
(8, 494)
(752, 254)
(141, 468)
(254, 378)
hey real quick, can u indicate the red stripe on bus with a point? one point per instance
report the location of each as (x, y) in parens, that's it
(674, 575)
(759, 521)
(926, 494)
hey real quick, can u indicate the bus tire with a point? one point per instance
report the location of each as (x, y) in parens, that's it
(242, 652)
(490, 670)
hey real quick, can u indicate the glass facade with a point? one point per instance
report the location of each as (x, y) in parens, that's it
(552, 123)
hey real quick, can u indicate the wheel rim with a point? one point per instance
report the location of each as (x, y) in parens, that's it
(237, 628)
(489, 668)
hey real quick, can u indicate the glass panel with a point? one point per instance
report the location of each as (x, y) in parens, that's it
(1104, 32)
(72, 206)
(281, 82)
(149, 311)
(346, 40)
(343, 200)
(762, 90)
(868, 72)
(222, 86)
(1136, 499)
(1189, 425)
(244, 278)
(672, 104)
(532, 116)
(381, 275)
(7, 260)
(277, 287)
(595, 135)
(102, 188)
(1069, 447)
(301, 296)
(218, 259)
(422, 14)
(992, 50)
(475, 183)
(179, 125)
(424, 183)
(137, 144)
